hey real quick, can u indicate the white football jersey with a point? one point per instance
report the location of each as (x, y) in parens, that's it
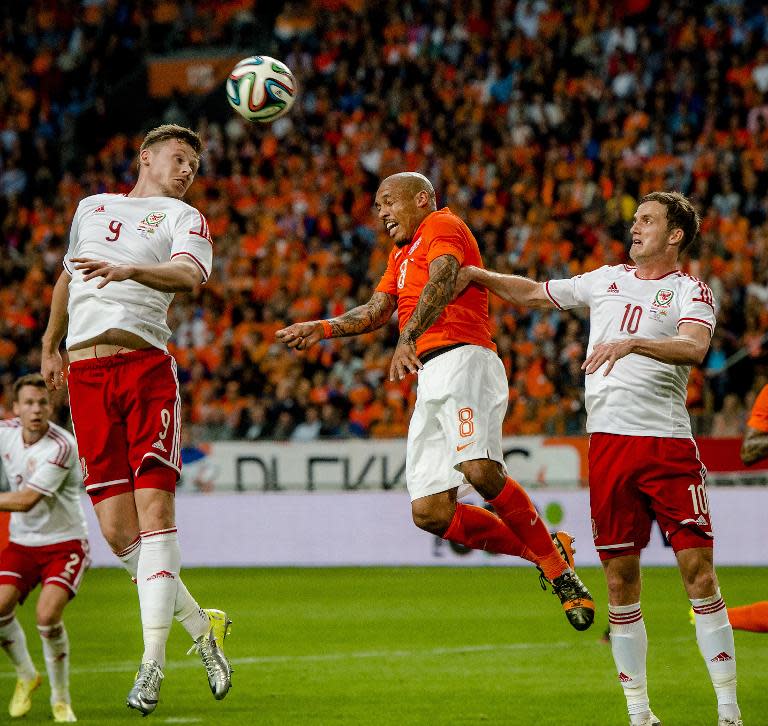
(130, 230)
(640, 396)
(48, 466)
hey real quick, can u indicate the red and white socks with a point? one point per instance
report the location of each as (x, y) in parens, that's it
(14, 643)
(629, 645)
(715, 638)
(157, 577)
(56, 653)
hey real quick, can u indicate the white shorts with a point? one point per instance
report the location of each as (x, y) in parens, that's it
(461, 401)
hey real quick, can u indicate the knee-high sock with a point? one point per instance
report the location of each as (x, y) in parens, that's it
(715, 638)
(157, 578)
(516, 510)
(629, 645)
(185, 610)
(14, 643)
(56, 653)
(479, 529)
(752, 617)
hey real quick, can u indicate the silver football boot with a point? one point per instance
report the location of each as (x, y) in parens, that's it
(211, 649)
(146, 688)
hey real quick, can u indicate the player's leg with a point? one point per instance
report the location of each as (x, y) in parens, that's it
(50, 610)
(14, 642)
(753, 618)
(714, 633)
(621, 525)
(679, 495)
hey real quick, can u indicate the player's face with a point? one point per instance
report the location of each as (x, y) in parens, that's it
(650, 236)
(398, 211)
(33, 407)
(172, 166)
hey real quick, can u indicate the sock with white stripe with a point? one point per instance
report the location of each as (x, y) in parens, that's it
(715, 638)
(56, 653)
(185, 610)
(157, 578)
(629, 644)
(14, 643)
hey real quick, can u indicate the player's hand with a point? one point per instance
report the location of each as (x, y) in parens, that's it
(301, 335)
(608, 353)
(52, 370)
(463, 279)
(404, 360)
(101, 268)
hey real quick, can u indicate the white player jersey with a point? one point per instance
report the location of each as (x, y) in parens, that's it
(49, 466)
(130, 230)
(640, 396)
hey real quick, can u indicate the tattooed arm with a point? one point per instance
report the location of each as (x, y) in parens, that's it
(362, 319)
(437, 293)
(755, 446)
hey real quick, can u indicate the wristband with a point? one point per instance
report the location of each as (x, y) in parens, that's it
(327, 330)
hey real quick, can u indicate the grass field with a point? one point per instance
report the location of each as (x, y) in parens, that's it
(398, 646)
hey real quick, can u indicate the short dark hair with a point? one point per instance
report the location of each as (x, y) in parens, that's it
(681, 214)
(166, 132)
(31, 379)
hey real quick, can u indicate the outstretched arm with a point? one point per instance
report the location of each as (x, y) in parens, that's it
(755, 446)
(52, 366)
(512, 288)
(437, 293)
(177, 275)
(362, 319)
(19, 501)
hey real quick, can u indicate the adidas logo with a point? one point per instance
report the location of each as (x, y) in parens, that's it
(159, 445)
(624, 678)
(161, 573)
(98, 209)
(701, 521)
(613, 287)
(720, 658)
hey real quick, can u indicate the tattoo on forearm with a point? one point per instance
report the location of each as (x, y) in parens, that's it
(754, 448)
(437, 293)
(364, 318)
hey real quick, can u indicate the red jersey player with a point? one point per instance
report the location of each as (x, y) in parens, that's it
(648, 324)
(454, 436)
(127, 256)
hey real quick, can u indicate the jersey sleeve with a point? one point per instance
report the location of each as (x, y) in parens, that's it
(50, 473)
(191, 237)
(697, 305)
(758, 419)
(445, 236)
(573, 292)
(388, 282)
(71, 249)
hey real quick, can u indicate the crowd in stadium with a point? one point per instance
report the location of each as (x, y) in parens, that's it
(541, 127)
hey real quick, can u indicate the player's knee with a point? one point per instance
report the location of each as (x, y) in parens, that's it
(485, 475)
(700, 582)
(50, 619)
(433, 518)
(622, 586)
(116, 536)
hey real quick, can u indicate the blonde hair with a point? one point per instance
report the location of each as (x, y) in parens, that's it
(166, 132)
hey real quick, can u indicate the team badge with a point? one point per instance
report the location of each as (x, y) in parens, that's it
(150, 223)
(663, 298)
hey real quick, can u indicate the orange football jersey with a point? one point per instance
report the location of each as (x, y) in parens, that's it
(465, 320)
(758, 419)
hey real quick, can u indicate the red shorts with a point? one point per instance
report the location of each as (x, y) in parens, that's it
(126, 417)
(634, 479)
(62, 564)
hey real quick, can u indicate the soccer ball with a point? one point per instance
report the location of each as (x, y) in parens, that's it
(261, 88)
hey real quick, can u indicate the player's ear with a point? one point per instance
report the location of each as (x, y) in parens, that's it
(144, 156)
(676, 236)
(422, 199)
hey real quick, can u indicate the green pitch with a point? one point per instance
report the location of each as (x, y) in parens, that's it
(398, 646)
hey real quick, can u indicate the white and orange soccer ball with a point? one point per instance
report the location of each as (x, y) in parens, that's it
(261, 88)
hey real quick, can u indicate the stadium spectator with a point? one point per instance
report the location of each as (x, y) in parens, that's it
(48, 542)
(649, 323)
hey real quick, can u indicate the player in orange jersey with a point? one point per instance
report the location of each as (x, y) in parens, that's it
(754, 447)
(454, 436)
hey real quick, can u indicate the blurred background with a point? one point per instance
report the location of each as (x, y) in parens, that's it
(540, 123)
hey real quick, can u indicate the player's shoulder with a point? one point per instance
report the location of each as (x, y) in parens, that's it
(607, 272)
(443, 221)
(61, 443)
(95, 201)
(9, 425)
(685, 279)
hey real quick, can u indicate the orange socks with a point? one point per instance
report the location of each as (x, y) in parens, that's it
(480, 529)
(750, 617)
(516, 510)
